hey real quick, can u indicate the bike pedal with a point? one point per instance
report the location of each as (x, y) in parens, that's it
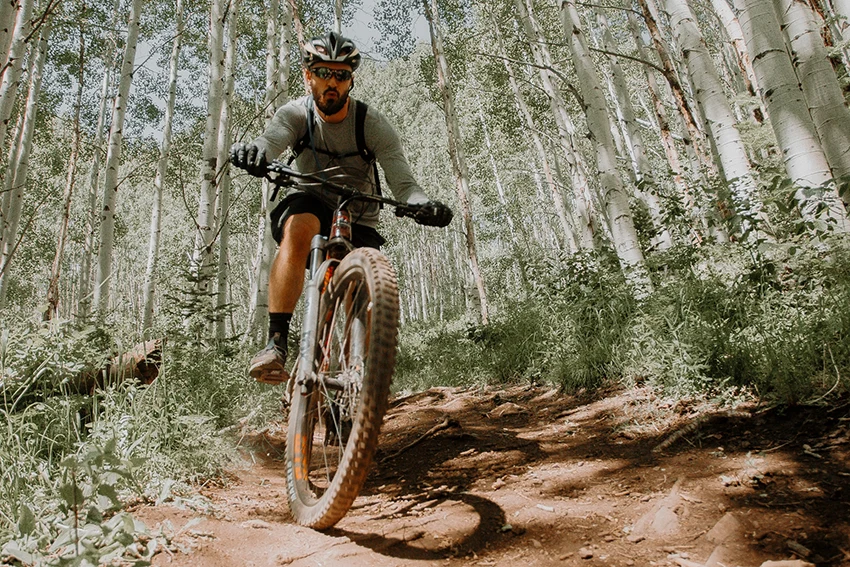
(274, 378)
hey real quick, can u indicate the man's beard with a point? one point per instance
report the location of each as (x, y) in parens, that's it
(331, 107)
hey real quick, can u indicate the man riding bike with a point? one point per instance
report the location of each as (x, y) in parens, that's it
(326, 129)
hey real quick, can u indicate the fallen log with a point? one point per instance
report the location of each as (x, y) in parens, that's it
(139, 364)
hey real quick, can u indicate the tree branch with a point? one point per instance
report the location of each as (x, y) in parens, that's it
(555, 72)
(636, 59)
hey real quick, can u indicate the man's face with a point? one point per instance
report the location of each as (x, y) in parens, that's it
(330, 93)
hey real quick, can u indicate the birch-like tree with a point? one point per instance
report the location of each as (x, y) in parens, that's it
(792, 124)
(564, 124)
(522, 106)
(161, 170)
(16, 177)
(103, 278)
(646, 182)
(84, 290)
(614, 197)
(820, 86)
(202, 259)
(224, 185)
(14, 65)
(719, 119)
(456, 152)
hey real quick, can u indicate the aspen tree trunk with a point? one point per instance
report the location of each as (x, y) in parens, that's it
(161, 170)
(820, 86)
(258, 311)
(660, 112)
(205, 238)
(224, 199)
(8, 11)
(566, 130)
(103, 279)
(736, 38)
(71, 177)
(633, 138)
(338, 16)
(84, 293)
(614, 197)
(500, 192)
(19, 181)
(284, 67)
(690, 121)
(555, 191)
(444, 80)
(719, 119)
(8, 188)
(14, 66)
(299, 33)
(795, 132)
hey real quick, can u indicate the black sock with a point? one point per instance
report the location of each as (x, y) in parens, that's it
(279, 324)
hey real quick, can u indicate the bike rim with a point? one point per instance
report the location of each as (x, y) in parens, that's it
(329, 420)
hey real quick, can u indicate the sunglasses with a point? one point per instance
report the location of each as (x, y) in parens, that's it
(324, 73)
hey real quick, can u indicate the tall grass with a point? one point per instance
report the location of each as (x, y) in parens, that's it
(123, 440)
(772, 319)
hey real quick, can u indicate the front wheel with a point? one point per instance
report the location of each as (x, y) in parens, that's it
(336, 415)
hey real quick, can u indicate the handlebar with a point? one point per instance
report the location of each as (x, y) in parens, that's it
(281, 175)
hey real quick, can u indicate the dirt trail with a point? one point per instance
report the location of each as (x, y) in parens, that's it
(532, 477)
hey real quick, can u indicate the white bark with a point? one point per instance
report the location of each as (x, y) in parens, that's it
(795, 132)
(660, 113)
(719, 120)
(614, 197)
(224, 199)
(338, 16)
(531, 128)
(633, 138)
(456, 152)
(103, 279)
(161, 170)
(277, 74)
(820, 86)
(204, 239)
(566, 129)
(14, 66)
(8, 12)
(19, 181)
(736, 38)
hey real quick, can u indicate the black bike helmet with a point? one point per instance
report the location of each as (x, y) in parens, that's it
(331, 48)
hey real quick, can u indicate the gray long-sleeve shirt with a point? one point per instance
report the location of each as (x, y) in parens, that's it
(289, 125)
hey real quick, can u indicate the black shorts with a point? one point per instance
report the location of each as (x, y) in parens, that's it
(297, 203)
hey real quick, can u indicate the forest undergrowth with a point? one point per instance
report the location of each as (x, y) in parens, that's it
(723, 323)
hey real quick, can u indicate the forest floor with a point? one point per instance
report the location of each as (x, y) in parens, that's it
(531, 477)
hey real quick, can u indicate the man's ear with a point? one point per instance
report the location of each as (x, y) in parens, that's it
(307, 74)
(351, 88)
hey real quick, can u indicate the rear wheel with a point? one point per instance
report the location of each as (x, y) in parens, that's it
(335, 419)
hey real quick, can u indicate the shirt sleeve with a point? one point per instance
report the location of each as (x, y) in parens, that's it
(286, 127)
(385, 143)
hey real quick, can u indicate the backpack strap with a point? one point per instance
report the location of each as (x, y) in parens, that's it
(365, 152)
(306, 141)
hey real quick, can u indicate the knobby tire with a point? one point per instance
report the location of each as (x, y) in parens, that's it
(332, 434)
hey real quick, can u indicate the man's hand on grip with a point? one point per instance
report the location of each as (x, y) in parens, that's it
(249, 157)
(434, 213)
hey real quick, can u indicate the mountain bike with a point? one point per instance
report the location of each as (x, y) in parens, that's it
(340, 385)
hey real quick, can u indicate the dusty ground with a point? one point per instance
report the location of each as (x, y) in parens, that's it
(533, 477)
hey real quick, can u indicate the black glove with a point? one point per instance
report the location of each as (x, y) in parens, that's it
(433, 213)
(249, 157)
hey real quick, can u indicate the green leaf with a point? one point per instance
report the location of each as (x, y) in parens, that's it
(109, 491)
(26, 520)
(71, 494)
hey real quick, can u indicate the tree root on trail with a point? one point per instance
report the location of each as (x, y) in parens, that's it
(447, 423)
(696, 424)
